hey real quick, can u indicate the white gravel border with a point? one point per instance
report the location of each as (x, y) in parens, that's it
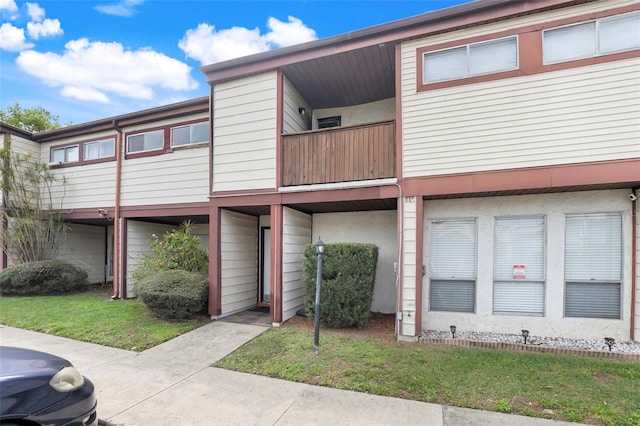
(592, 345)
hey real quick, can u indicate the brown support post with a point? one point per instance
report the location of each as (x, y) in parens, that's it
(276, 263)
(215, 288)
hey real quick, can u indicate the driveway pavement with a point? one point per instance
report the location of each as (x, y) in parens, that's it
(174, 384)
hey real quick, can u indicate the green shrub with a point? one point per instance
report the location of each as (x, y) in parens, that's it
(175, 294)
(348, 277)
(177, 249)
(43, 277)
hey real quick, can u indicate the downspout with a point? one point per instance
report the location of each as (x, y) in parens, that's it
(634, 259)
(399, 275)
(117, 279)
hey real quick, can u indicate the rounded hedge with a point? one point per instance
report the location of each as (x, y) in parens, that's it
(41, 278)
(174, 294)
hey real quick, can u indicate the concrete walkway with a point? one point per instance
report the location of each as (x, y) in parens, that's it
(174, 384)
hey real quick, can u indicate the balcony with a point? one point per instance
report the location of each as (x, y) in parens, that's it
(340, 154)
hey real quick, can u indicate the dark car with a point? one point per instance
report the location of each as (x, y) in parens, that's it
(37, 388)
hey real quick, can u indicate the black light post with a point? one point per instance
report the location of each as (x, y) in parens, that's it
(609, 341)
(525, 334)
(453, 330)
(316, 334)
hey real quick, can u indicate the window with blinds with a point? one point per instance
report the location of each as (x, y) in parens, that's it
(593, 265)
(453, 266)
(519, 266)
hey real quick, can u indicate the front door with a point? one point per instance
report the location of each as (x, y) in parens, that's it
(265, 267)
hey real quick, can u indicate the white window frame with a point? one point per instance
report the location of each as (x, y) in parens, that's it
(161, 131)
(523, 274)
(468, 48)
(443, 278)
(66, 150)
(191, 129)
(596, 35)
(100, 143)
(588, 269)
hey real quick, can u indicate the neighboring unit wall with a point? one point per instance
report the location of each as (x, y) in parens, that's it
(138, 240)
(244, 135)
(373, 227)
(85, 247)
(296, 235)
(239, 261)
(358, 114)
(293, 120)
(179, 177)
(554, 207)
(87, 185)
(636, 216)
(582, 114)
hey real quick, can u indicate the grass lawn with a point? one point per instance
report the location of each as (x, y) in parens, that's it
(92, 317)
(540, 385)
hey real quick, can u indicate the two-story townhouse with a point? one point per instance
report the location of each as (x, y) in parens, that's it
(491, 150)
(127, 178)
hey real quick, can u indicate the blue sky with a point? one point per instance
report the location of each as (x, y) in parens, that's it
(84, 60)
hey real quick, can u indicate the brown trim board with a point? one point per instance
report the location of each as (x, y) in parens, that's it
(215, 288)
(276, 263)
(569, 175)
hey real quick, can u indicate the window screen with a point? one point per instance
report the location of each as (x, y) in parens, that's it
(453, 266)
(593, 265)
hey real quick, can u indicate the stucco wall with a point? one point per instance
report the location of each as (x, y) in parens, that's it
(376, 227)
(554, 207)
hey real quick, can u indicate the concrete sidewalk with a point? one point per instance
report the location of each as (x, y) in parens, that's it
(174, 384)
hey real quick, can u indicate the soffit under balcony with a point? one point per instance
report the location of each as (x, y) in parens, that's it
(349, 78)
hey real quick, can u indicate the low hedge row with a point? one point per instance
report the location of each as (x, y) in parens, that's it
(44, 277)
(174, 294)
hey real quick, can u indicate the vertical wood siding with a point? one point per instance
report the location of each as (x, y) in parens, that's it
(239, 261)
(85, 247)
(297, 234)
(138, 239)
(244, 146)
(409, 279)
(582, 114)
(293, 121)
(342, 154)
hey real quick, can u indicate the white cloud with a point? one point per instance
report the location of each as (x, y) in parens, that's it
(94, 70)
(125, 8)
(35, 12)
(12, 38)
(9, 8)
(283, 34)
(207, 45)
(46, 28)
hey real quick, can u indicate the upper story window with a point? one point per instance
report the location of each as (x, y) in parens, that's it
(191, 134)
(99, 149)
(67, 154)
(470, 60)
(147, 141)
(593, 38)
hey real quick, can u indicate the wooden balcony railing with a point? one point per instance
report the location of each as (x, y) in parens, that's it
(340, 154)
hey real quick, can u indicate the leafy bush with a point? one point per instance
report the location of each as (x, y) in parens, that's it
(43, 277)
(174, 294)
(348, 276)
(177, 249)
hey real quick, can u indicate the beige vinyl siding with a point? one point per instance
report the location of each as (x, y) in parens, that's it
(296, 236)
(409, 281)
(637, 289)
(138, 240)
(244, 146)
(293, 121)
(179, 177)
(23, 146)
(583, 114)
(357, 114)
(92, 185)
(85, 247)
(239, 261)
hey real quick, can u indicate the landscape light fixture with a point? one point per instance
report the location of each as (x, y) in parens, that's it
(316, 324)
(453, 330)
(525, 334)
(609, 341)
